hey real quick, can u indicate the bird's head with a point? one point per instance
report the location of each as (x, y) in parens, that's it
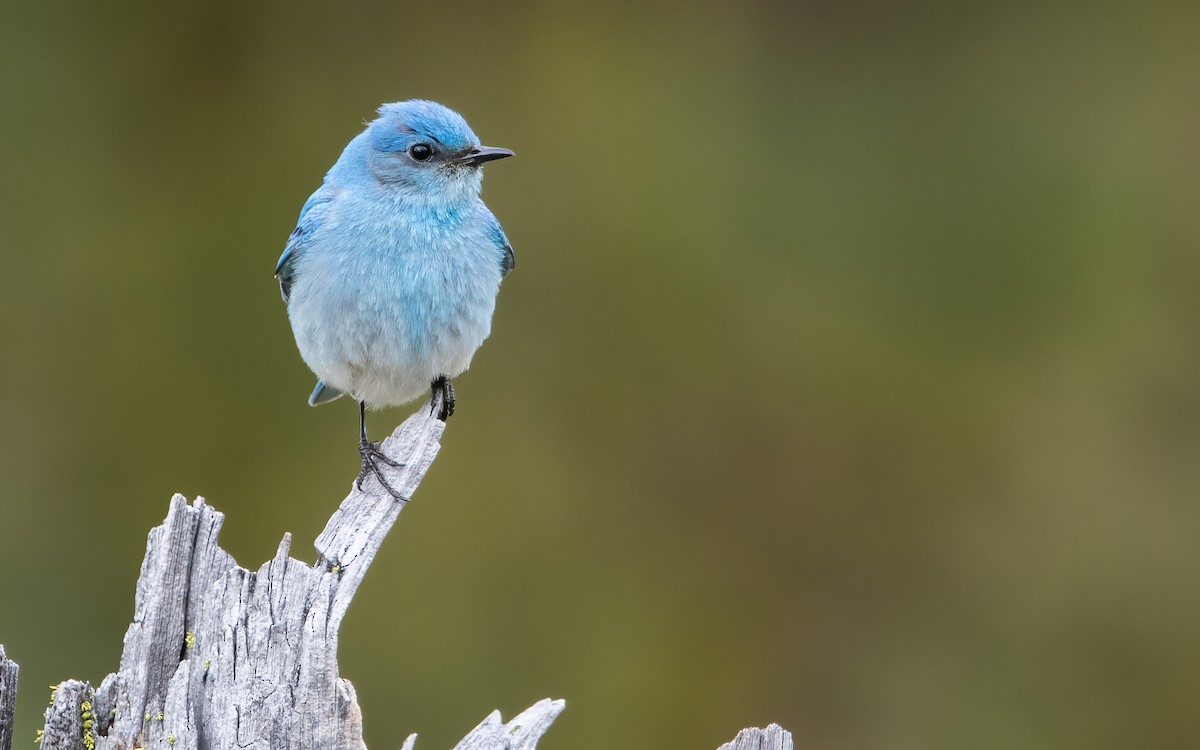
(426, 150)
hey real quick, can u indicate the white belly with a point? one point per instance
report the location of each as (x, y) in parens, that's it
(382, 337)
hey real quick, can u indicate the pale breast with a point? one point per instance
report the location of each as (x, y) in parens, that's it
(383, 307)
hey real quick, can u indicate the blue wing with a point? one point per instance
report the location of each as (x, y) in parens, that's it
(508, 260)
(323, 394)
(315, 209)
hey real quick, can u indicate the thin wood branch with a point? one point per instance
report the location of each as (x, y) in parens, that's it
(218, 656)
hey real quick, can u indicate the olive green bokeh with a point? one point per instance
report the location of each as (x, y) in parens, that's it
(848, 377)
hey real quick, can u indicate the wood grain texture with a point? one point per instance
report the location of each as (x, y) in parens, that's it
(774, 737)
(70, 707)
(8, 698)
(219, 656)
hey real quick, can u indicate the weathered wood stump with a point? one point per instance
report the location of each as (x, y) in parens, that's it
(8, 699)
(220, 657)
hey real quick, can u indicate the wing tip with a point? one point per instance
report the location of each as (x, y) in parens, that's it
(323, 394)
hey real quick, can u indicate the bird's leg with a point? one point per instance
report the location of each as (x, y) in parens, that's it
(442, 385)
(372, 455)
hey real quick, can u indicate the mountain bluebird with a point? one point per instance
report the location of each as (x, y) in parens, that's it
(391, 275)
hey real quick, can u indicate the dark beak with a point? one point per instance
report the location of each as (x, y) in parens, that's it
(477, 155)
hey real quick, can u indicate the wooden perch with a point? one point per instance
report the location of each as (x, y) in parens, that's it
(219, 656)
(8, 699)
(774, 737)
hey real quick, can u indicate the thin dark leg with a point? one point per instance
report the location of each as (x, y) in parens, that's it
(442, 385)
(372, 456)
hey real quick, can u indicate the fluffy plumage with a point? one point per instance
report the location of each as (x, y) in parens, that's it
(392, 271)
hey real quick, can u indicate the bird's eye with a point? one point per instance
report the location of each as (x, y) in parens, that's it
(421, 152)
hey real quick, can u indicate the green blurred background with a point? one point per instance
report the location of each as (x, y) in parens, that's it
(849, 377)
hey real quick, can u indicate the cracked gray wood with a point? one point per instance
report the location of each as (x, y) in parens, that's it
(70, 709)
(8, 698)
(774, 737)
(219, 656)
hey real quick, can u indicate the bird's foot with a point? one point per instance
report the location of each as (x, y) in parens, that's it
(372, 456)
(442, 386)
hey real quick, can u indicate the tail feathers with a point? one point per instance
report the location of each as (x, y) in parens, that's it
(323, 394)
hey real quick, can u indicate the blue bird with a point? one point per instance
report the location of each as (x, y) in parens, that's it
(391, 274)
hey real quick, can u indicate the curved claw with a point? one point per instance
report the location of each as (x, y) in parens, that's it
(372, 456)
